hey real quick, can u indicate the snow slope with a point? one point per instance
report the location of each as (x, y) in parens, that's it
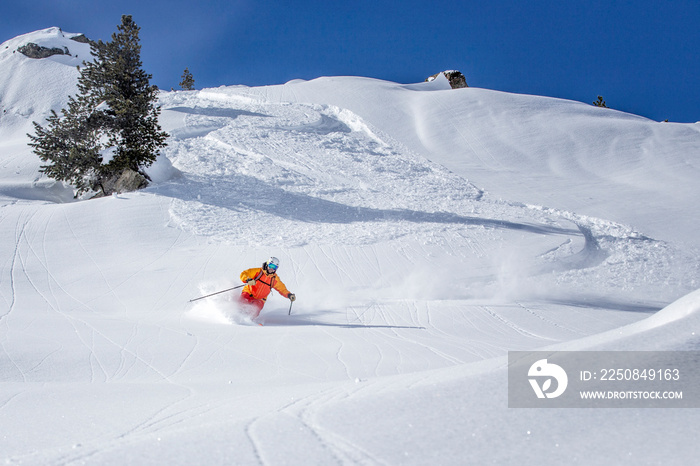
(30, 89)
(575, 156)
(421, 248)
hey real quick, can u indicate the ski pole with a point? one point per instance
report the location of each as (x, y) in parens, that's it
(290, 307)
(218, 292)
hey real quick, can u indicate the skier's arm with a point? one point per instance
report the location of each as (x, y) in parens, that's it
(249, 274)
(281, 288)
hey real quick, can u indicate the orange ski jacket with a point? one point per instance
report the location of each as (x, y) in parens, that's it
(264, 283)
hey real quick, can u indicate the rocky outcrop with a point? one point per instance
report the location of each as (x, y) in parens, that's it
(81, 38)
(123, 182)
(456, 78)
(33, 50)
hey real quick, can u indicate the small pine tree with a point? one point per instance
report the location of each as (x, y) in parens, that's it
(72, 146)
(187, 83)
(600, 102)
(114, 117)
(73, 141)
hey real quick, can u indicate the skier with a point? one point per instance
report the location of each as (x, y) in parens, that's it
(259, 283)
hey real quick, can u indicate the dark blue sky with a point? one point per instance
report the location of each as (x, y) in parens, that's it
(641, 56)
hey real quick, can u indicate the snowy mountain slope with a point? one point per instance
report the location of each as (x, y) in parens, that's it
(413, 281)
(29, 89)
(35, 86)
(539, 150)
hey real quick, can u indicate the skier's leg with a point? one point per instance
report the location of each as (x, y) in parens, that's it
(251, 305)
(256, 305)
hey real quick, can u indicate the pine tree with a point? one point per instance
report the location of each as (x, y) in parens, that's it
(187, 83)
(72, 147)
(600, 102)
(132, 116)
(72, 143)
(111, 126)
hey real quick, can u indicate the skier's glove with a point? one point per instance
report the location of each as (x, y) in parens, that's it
(251, 282)
(292, 297)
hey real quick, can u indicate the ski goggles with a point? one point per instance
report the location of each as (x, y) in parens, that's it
(272, 267)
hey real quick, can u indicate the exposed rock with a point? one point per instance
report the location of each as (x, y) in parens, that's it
(456, 79)
(33, 50)
(126, 181)
(81, 38)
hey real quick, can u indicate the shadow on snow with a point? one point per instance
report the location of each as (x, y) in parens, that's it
(215, 112)
(282, 321)
(245, 193)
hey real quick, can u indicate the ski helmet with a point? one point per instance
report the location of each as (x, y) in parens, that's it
(272, 264)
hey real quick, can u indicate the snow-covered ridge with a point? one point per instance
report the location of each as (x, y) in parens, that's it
(49, 38)
(31, 86)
